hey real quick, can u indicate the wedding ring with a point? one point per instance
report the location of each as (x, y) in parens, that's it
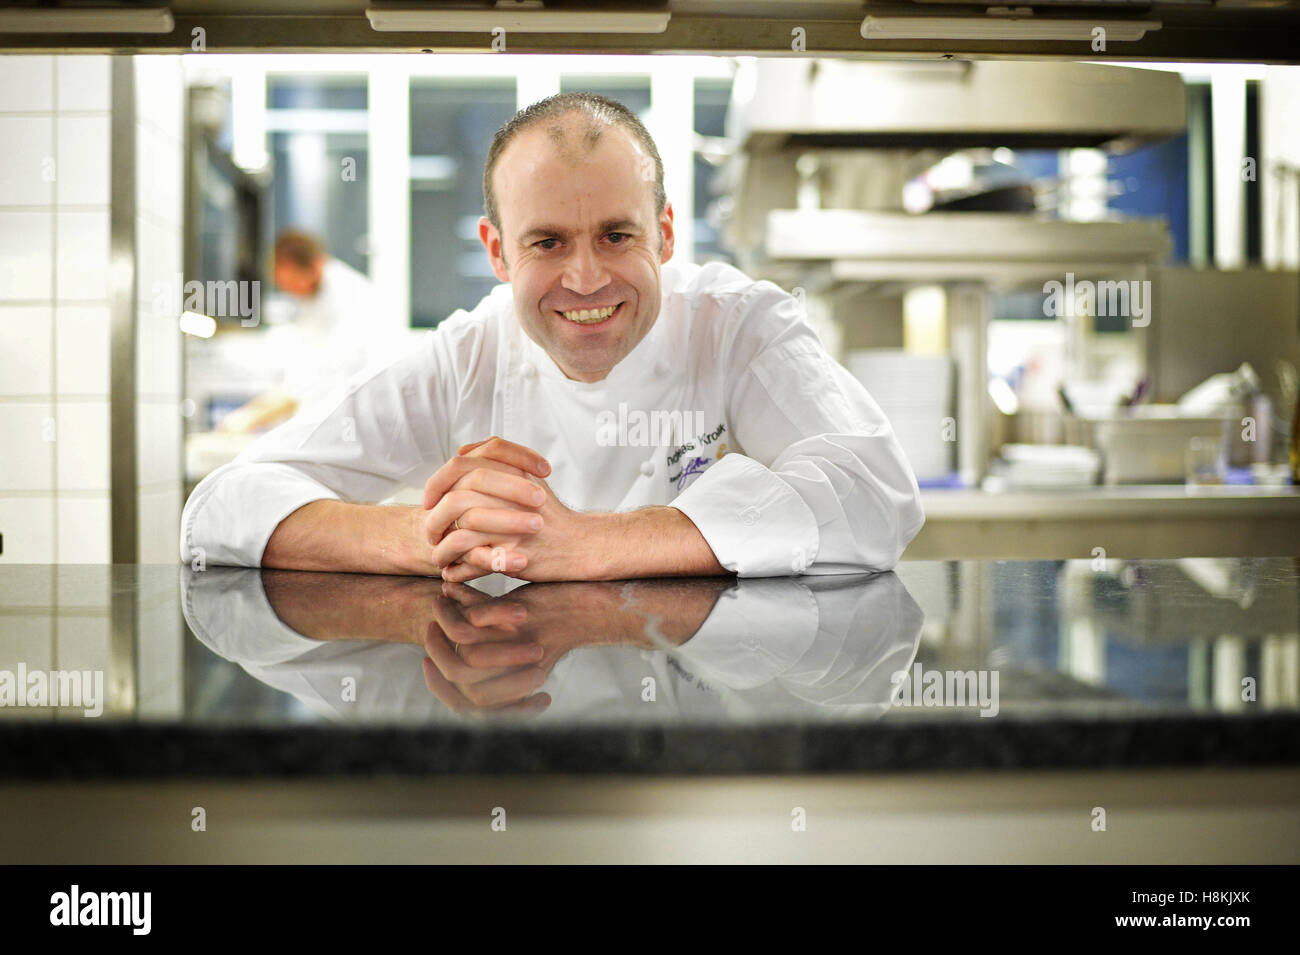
(456, 523)
(456, 649)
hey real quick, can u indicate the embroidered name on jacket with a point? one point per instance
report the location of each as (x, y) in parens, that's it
(695, 463)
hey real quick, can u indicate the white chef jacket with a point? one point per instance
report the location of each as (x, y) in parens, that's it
(795, 469)
(335, 334)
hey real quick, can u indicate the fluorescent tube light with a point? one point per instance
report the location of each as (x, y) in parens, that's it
(198, 324)
(1001, 28)
(522, 20)
(97, 20)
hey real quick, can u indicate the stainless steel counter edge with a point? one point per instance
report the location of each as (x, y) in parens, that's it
(1138, 502)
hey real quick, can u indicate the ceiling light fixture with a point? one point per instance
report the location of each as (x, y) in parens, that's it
(1002, 25)
(87, 20)
(515, 17)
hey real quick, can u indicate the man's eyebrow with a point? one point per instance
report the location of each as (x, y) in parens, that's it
(610, 225)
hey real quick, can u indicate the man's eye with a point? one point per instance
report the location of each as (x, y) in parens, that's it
(616, 236)
(544, 246)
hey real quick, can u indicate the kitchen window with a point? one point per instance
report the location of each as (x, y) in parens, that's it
(317, 137)
(452, 125)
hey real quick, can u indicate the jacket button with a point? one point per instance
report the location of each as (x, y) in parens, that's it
(648, 468)
(750, 515)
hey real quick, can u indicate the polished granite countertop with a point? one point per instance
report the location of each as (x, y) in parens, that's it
(171, 671)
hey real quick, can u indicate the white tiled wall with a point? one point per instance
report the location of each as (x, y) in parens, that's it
(55, 317)
(48, 227)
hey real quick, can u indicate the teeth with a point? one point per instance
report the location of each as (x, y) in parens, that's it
(588, 316)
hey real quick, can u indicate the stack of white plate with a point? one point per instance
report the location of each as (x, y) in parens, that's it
(916, 394)
(1027, 466)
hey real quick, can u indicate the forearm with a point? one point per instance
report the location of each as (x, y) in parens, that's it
(351, 607)
(649, 542)
(359, 538)
(670, 610)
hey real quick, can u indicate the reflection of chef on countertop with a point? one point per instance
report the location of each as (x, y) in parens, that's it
(503, 414)
(414, 648)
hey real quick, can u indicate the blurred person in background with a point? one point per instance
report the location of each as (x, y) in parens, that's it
(334, 335)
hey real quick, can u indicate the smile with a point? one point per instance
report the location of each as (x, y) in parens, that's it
(590, 316)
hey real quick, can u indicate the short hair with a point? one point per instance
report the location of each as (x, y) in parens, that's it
(298, 248)
(599, 111)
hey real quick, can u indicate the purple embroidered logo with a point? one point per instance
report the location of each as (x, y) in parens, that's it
(694, 466)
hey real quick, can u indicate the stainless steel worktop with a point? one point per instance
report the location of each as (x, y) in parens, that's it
(1136, 521)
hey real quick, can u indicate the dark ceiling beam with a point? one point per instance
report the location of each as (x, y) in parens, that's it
(1257, 36)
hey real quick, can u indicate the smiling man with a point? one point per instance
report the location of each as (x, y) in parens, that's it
(602, 414)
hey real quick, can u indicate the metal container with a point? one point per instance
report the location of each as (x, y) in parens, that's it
(1148, 444)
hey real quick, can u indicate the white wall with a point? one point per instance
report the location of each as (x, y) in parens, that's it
(1280, 141)
(55, 307)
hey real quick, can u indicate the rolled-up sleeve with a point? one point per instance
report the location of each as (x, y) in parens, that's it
(378, 432)
(821, 485)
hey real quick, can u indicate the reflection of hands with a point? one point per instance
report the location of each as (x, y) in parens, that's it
(493, 652)
(482, 656)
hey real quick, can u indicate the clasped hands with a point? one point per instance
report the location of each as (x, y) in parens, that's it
(489, 510)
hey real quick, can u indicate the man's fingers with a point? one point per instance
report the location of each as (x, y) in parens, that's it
(500, 521)
(457, 702)
(487, 552)
(505, 615)
(486, 476)
(445, 478)
(484, 610)
(466, 597)
(508, 452)
(515, 458)
(495, 558)
(446, 693)
(482, 561)
(460, 572)
(508, 486)
(468, 664)
(449, 627)
(488, 660)
(462, 509)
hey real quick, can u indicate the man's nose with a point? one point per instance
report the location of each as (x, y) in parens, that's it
(583, 271)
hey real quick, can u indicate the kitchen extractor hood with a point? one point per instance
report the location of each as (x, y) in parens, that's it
(817, 104)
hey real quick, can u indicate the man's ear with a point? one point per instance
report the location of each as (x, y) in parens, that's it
(666, 228)
(317, 270)
(491, 239)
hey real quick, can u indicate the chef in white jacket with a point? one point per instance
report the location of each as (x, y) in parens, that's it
(335, 332)
(604, 415)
